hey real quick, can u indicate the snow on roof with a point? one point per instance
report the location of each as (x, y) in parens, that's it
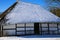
(26, 13)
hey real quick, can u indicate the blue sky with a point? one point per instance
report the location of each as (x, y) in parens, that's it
(5, 4)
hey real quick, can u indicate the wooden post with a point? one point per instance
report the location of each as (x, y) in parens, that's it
(0, 30)
(15, 29)
(48, 29)
(40, 28)
(25, 28)
(57, 28)
(36, 28)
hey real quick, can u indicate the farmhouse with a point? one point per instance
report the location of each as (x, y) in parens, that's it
(25, 19)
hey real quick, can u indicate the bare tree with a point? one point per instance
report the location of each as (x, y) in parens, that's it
(53, 3)
(54, 6)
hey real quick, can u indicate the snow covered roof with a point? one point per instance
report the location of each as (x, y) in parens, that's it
(27, 13)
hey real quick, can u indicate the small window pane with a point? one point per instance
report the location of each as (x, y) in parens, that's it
(20, 25)
(52, 28)
(52, 25)
(20, 28)
(44, 25)
(9, 32)
(19, 33)
(29, 32)
(30, 25)
(29, 28)
(8, 26)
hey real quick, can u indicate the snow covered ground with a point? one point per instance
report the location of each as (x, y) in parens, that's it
(30, 37)
(9, 38)
(14, 38)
